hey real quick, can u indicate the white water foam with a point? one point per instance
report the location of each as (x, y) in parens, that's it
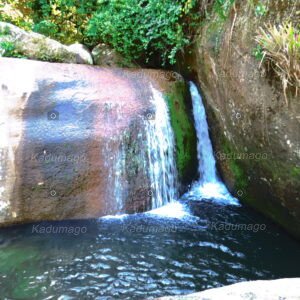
(161, 145)
(171, 210)
(209, 186)
(162, 170)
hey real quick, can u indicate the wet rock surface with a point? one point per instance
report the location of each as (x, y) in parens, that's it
(261, 289)
(255, 133)
(73, 141)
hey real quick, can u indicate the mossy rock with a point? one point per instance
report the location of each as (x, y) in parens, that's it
(180, 107)
(32, 45)
(255, 192)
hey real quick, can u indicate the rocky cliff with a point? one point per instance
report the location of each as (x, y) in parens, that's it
(255, 129)
(73, 139)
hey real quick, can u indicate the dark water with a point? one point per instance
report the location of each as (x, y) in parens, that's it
(144, 256)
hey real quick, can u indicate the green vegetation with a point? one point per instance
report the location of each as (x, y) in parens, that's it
(258, 52)
(217, 15)
(138, 28)
(281, 48)
(16, 12)
(260, 7)
(295, 172)
(234, 166)
(63, 20)
(260, 10)
(7, 47)
(143, 30)
(222, 8)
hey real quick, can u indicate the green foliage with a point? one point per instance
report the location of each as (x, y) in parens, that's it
(4, 31)
(260, 7)
(47, 28)
(216, 15)
(222, 8)
(63, 20)
(258, 52)
(260, 10)
(8, 49)
(140, 28)
(14, 11)
(295, 172)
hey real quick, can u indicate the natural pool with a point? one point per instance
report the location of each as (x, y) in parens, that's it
(144, 255)
(179, 248)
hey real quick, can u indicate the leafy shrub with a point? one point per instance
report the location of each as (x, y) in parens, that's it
(63, 20)
(222, 8)
(258, 52)
(138, 29)
(281, 47)
(142, 29)
(260, 10)
(15, 11)
(8, 49)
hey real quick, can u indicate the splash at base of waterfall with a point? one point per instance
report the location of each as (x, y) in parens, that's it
(209, 186)
(214, 191)
(171, 210)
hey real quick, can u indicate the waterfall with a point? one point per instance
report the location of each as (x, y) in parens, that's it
(207, 163)
(149, 171)
(209, 186)
(161, 145)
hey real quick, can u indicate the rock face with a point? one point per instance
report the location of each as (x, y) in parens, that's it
(36, 46)
(288, 289)
(82, 52)
(73, 141)
(105, 56)
(256, 135)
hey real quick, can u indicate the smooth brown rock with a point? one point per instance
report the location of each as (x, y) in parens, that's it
(73, 140)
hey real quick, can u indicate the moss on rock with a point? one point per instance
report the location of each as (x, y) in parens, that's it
(32, 45)
(235, 84)
(254, 192)
(184, 131)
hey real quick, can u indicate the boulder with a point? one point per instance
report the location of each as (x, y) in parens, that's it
(36, 46)
(83, 54)
(73, 140)
(103, 55)
(287, 289)
(254, 130)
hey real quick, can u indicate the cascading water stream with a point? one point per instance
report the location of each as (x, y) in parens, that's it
(162, 171)
(161, 145)
(156, 158)
(209, 186)
(207, 163)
